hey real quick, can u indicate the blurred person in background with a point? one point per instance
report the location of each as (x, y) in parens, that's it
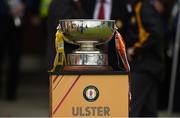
(147, 55)
(86, 9)
(43, 12)
(170, 34)
(35, 29)
(32, 11)
(37, 12)
(11, 12)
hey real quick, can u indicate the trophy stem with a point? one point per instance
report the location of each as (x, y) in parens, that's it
(87, 46)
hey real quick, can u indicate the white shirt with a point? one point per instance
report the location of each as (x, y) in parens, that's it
(107, 9)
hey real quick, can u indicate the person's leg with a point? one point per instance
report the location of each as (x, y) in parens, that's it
(1, 60)
(150, 108)
(13, 70)
(141, 85)
(3, 44)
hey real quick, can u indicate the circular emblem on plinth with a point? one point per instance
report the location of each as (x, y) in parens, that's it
(91, 93)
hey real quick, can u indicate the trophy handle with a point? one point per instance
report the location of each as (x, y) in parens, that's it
(59, 28)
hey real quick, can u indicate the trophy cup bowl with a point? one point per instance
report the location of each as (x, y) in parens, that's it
(87, 34)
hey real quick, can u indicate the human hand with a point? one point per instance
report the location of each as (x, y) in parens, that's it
(35, 20)
(130, 53)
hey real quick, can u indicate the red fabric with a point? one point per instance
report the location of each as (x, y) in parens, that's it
(101, 10)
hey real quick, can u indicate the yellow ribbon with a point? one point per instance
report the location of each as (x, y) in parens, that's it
(60, 58)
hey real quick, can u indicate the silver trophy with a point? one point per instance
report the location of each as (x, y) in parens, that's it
(87, 34)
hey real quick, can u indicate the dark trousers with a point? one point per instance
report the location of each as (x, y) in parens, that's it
(144, 95)
(10, 45)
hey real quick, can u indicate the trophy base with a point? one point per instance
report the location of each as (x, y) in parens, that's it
(87, 68)
(87, 59)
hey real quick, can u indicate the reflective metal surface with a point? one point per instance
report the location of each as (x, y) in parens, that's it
(87, 59)
(78, 31)
(87, 34)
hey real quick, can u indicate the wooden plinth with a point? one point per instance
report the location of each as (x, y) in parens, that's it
(68, 98)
